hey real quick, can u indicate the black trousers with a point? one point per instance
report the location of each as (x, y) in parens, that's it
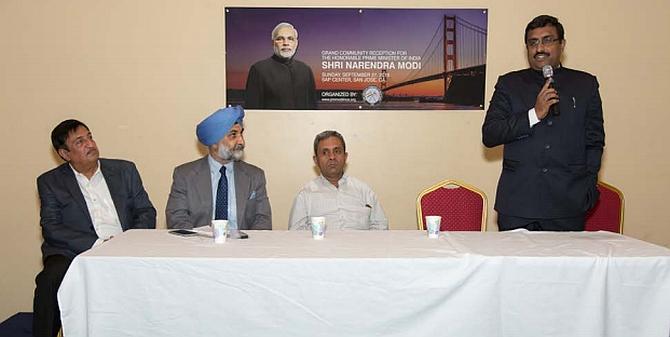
(506, 223)
(46, 316)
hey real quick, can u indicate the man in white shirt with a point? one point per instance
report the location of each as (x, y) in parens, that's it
(83, 202)
(345, 202)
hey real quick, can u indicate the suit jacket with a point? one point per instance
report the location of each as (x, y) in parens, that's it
(550, 170)
(67, 227)
(277, 83)
(190, 202)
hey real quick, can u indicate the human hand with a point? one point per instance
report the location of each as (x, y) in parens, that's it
(547, 97)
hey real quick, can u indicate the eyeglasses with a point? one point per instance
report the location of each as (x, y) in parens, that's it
(546, 41)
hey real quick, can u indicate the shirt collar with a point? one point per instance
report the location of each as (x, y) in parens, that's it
(556, 70)
(215, 166)
(283, 60)
(79, 175)
(340, 182)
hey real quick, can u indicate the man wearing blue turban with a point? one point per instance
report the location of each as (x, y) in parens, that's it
(220, 185)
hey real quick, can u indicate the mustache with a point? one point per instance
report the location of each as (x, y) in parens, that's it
(541, 53)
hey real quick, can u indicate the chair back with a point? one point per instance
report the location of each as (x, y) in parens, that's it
(461, 206)
(607, 214)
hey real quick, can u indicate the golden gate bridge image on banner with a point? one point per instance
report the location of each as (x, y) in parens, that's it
(456, 55)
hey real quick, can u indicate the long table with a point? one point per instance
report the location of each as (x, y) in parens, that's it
(369, 283)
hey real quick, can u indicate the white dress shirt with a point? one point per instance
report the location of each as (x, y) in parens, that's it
(100, 204)
(352, 205)
(532, 117)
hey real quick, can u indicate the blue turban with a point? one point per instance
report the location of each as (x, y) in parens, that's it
(213, 128)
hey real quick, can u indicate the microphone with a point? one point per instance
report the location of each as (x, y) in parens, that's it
(548, 72)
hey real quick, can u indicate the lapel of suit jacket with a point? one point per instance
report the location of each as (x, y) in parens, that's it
(534, 81)
(203, 184)
(70, 182)
(242, 186)
(114, 182)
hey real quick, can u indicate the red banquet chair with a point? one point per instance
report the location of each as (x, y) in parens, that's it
(461, 206)
(607, 214)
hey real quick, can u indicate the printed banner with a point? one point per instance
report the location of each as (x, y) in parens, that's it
(348, 58)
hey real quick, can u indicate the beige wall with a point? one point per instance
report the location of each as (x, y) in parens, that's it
(141, 74)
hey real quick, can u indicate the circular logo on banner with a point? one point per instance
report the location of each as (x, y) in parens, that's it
(372, 95)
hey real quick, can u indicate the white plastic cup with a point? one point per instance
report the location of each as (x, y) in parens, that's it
(433, 226)
(318, 224)
(219, 228)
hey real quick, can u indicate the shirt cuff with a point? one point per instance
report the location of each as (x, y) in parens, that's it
(532, 117)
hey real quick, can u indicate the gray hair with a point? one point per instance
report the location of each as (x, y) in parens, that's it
(328, 134)
(281, 25)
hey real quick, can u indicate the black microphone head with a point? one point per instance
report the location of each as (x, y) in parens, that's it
(547, 71)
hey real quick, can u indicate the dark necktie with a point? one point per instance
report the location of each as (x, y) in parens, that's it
(222, 197)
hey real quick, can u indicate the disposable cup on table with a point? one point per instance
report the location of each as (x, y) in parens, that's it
(433, 226)
(220, 229)
(318, 225)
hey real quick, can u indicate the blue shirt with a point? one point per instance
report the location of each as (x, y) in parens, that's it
(215, 175)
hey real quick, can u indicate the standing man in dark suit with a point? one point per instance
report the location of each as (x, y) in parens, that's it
(84, 202)
(219, 185)
(553, 137)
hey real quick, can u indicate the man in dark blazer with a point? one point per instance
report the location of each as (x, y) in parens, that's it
(201, 193)
(84, 202)
(553, 137)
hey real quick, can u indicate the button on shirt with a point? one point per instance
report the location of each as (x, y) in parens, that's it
(215, 174)
(100, 204)
(351, 206)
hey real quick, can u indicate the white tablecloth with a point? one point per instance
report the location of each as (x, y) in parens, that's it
(368, 283)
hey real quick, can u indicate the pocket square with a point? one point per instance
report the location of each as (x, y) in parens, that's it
(253, 195)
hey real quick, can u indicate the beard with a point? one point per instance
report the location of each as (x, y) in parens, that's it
(234, 154)
(284, 54)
